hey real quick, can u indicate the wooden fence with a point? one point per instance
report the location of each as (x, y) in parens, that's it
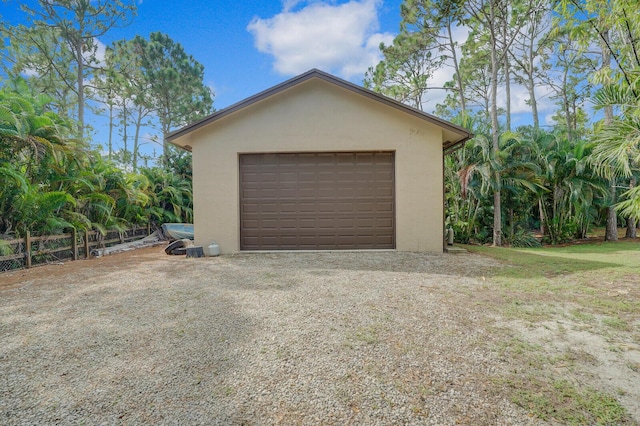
(37, 250)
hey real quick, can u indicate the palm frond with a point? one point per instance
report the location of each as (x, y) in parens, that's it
(617, 149)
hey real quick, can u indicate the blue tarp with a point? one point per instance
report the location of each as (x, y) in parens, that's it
(178, 231)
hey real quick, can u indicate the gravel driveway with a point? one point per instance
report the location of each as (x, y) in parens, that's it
(291, 338)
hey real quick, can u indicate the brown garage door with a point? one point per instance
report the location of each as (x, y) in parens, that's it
(315, 201)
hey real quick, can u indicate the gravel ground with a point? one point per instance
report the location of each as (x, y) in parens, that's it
(287, 338)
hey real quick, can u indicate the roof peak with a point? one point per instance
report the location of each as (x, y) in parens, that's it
(464, 134)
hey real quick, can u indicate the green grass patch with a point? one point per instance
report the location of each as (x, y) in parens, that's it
(553, 261)
(580, 315)
(586, 274)
(562, 401)
(538, 389)
(616, 323)
(528, 310)
(589, 284)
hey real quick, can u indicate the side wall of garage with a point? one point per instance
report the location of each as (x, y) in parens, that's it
(316, 116)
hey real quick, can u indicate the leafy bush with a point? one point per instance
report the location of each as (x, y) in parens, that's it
(523, 238)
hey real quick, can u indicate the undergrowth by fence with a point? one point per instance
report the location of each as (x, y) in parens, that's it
(38, 250)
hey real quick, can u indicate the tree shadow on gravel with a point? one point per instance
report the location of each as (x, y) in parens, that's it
(132, 347)
(545, 264)
(319, 263)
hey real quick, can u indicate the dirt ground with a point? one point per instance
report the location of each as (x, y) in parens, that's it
(447, 299)
(45, 274)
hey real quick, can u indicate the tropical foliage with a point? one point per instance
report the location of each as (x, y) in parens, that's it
(53, 182)
(53, 178)
(560, 179)
(560, 176)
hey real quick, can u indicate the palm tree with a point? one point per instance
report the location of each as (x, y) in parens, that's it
(617, 150)
(567, 203)
(475, 166)
(33, 148)
(171, 196)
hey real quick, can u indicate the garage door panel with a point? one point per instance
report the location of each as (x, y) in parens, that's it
(381, 192)
(307, 223)
(251, 223)
(306, 176)
(326, 192)
(271, 224)
(288, 176)
(250, 208)
(251, 178)
(343, 207)
(306, 207)
(317, 201)
(288, 223)
(248, 193)
(287, 207)
(384, 207)
(307, 193)
(384, 223)
(269, 207)
(268, 193)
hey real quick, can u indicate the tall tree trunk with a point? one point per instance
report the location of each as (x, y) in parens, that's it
(80, 87)
(507, 92)
(166, 128)
(110, 131)
(507, 81)
(611, 233)
(511, 226)
(456, 67)
(542, 218)
(136, 142)
(565, 105)
(534, 105)
(632, 222)
(124, 133)
(165, 148)
(531, 86)
(497, 208)
(495, 140)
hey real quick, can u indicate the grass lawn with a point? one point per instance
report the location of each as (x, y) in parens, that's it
(579, 311)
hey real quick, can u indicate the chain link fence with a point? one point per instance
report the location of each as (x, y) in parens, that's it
(18, 253)
(52, 249)
(11, 254)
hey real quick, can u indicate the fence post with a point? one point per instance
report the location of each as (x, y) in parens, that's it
(74, 244)
(148, 228)
(86, 244)
(27, 249)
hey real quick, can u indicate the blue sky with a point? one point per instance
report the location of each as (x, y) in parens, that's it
(249, 46)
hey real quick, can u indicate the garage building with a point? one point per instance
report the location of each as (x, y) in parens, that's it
(318, 163)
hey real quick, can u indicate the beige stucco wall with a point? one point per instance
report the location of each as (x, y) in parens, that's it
(318, 116)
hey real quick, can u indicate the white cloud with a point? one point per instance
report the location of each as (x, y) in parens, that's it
(340, 38)
(100, 52)
(520, 97)
(437, 96)
(549, 120)
(445, 73)
(460, 34)
(288, 5)
(30, 72)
